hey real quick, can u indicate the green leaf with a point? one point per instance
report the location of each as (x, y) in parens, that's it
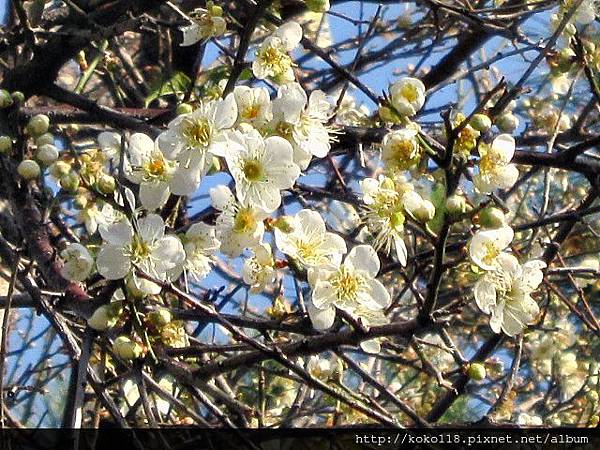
(179, 84)
(438, 198)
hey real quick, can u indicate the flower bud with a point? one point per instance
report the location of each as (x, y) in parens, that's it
(160, 317)
(5, 144)
(388, 183)
(102, 318)
(126, 349)
(18, 97)
(507, 123)
(46, 154)
(425, 212)
(29, 169)
(5, 99)
(46, 138)
(456, 205)
(481, 122)
(319, 6)
(592, 396)
(106, 184)
(78, 262)
(184, 108)
(38, 125)
(59, 169)
(491, 217)
(388, 115)
(476, 372)
(80, 201)
(284, 224)
(70, 182)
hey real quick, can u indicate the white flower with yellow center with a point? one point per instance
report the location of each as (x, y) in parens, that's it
(200, 245)
(495, 170)
(387, 203)
(98, 215)
(487, 245)
(110, 145)
(259, 270)
(144, 247)
(254, 105)
(272, 58)
(150, 169)
(77, 262)
(350, 286)
(505, 293)
(407, 96)
(309, 242)
(206, 23)
(261, 168)
(190, 138)
(302, 121)
(401, 150)
(238, 226)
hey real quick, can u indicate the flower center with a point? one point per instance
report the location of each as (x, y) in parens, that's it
(140, 249)
(409, 92)
(491, 253)
(197, 132)
(253, 170)
(285, 130)
(346, 285)
(251, 112)
(275, 59)
(244, 221)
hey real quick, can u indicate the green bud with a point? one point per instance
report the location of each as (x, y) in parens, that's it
(160, 317)
(284, 224)
(126, 349)
(5, 99)
(456, 205)
(388, 115)
(38, 125)
(491, 217)
(18, 97)
(70, 182)
(388, 183)
(80, 201)
(425, 212)
(476, 372)
(46, 138)
(184, 108)
(59, 169)
(46, 154)
(102, 318)
(592, 396)
(319, 6)
(5, 144)
(481, 122)
(507, 123)
(29, 169)
(106, 184)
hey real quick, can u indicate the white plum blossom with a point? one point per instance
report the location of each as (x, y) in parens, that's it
(486, 246)
(191, 137)
(302, 121)
(98, 215)
(144, 247)
(110, 144)
(407, 96)
(254, 105)
(77, 262)
(261, 168)
(238, 226)
(387, 204)
(505, 293)
(200, 244)
(495, 170)
(401, 149)
(259, 270)
(272, 58)
(150, 169)
(309, 242)
(350, 286)
(205, 23)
